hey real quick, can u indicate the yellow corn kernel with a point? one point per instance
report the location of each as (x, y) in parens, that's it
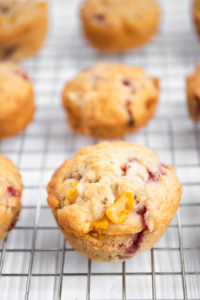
(71, 194)
(118, 211)
(101, 224)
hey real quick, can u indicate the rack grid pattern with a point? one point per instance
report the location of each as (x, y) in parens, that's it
(35, 261)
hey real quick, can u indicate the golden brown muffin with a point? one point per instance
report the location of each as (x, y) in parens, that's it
(16, 99)
(10, 194)
(113, 200)
(196, 15)
(110, 100)
(23, 28)
(193, 93)
(119, 25)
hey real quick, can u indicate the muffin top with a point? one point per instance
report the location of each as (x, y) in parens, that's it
(114, 188)
(15, 88)
(18, 15)
(10, 189)
(119, 14)
(110, 93)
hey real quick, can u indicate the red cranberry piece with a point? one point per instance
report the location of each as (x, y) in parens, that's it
(146, 227)
(137, 239)
(8, 52)
(153, 177)
(196, 105)
(21, 74)
(125, 167)
(12, 192)
(131, 121)
(99, 17)
(4, 8)
(126, 82)
(142, 212)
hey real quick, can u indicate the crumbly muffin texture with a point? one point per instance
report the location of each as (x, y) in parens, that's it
(16, 99)
(119, 25)
(10, 194)
(113, 200)
(23, 28)
(110, 100)
(193, 94)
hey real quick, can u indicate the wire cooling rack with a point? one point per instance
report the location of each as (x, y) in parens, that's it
(35, 261)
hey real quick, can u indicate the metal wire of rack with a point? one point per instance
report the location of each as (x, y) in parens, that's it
(35, 261)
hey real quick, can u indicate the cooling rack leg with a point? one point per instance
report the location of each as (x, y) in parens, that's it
(182, 257)
(153, 275)
(88, 280)
(124, 281)
(3, 255)
(59, 294)
(179, 221)
(37, 216)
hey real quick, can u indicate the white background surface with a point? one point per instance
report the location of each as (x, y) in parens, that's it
(33, 253)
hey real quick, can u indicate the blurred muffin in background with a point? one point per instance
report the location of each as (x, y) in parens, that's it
(119, 25)
(16, 99)
(193, 94)
(11, 187)
(110, 100)
(23, 28)
(196, 15)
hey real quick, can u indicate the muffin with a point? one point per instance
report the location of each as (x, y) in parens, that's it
(110, 100)
(23, 28)
(10, 194)
(119, 25)
(16, 100)
(193, 94)
(196, 15)
(113, 200)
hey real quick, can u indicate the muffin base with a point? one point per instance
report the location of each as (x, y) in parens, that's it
(193, 104)
(17, 121)
(113, 41)
(10, 224)
(119, 248)
(95, 129)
